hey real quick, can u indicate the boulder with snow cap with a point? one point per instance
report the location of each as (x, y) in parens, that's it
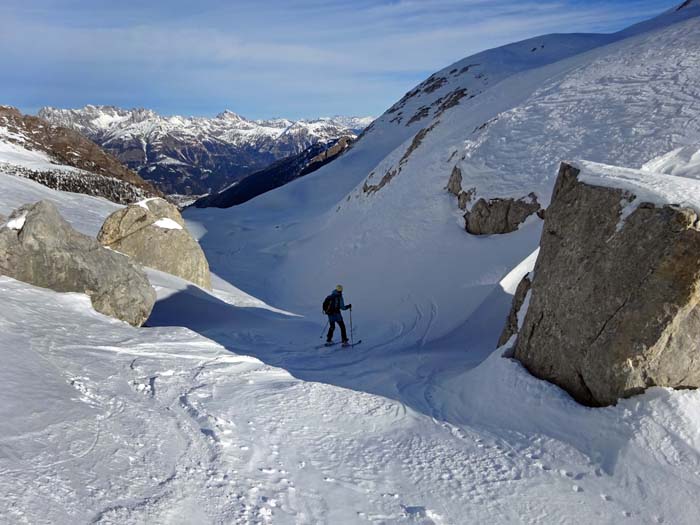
(614, 306)
(39, 247)
(153, 233)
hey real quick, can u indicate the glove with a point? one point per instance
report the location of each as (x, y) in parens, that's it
(349, 307)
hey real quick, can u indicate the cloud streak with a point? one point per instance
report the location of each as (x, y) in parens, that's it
(262, 59)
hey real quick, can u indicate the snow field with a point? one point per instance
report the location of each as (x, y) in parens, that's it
(222, 411)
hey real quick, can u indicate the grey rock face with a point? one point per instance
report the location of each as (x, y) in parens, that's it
(46, 251)
(153, 233)
(511, 327)
(613, 312)
(499, 215)
(454, 186)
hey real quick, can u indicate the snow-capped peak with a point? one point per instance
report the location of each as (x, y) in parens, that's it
(227, 114)
(207, 153)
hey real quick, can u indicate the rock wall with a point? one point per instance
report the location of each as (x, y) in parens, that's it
(614, 301)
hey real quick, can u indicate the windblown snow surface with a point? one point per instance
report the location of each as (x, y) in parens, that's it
(223, 409)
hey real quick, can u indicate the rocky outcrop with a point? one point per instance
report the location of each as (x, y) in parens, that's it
(393, 171)
(454, 186)
(83, 182)
(514, 316)
(492, 216)
(614, 301)
(153, 233)
(98, 173)
(39, 247)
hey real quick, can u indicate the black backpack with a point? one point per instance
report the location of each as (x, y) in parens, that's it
(330, 305)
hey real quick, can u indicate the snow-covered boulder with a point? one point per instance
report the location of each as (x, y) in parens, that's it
(39, 247)
(500, 215)
(614, 301)
(153, 233)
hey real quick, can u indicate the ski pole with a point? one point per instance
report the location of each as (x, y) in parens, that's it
(324, 329)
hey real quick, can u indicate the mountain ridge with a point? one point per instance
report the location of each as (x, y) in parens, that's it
(198, 155)
(64, 159)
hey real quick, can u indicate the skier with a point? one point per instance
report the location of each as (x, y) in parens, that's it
(332, 306)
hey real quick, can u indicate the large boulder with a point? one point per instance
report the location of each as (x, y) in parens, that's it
(39, 247)
(614, 301)
(153, 233)
(492, 216)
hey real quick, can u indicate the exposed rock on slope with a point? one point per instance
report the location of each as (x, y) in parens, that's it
(97, 173)
(454, 186)
(500, 215)
(39, 247)
(153, 233)
(195, 156)
(278, 174)
(614, 306)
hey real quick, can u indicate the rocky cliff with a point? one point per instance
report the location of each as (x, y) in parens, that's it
(614, 300)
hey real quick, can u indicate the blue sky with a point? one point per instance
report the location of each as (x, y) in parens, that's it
(264, 58)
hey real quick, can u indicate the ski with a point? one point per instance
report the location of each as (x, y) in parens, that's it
(326, 345)
(338, 343)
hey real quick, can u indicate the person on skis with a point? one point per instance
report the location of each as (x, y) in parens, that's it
(332, 306)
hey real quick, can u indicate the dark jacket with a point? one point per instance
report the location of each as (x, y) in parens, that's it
(340, 304)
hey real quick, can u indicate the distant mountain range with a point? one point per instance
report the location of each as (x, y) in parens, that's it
(197, 155)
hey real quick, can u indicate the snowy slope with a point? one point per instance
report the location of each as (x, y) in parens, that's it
(106, 423)
(623, 103)
(195, 155)
(423, 422)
